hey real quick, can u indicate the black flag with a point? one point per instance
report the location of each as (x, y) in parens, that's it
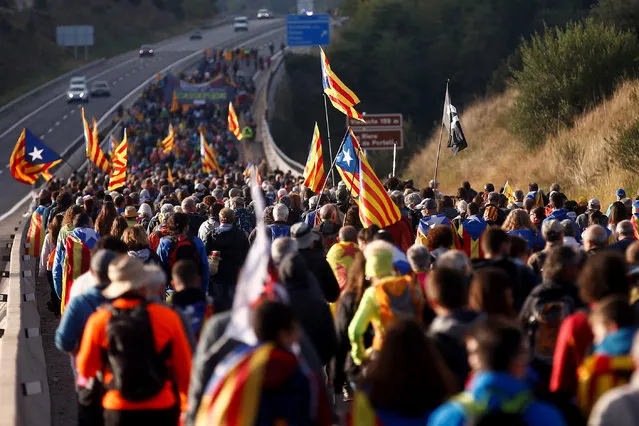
(456, 139)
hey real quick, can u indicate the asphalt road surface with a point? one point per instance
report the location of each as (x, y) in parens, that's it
(59, 125)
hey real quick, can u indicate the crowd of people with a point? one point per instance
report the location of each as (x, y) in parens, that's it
(474, 308)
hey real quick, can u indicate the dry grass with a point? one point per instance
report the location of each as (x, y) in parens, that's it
(579, 158)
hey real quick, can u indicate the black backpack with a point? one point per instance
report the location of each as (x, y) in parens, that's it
(139, 373)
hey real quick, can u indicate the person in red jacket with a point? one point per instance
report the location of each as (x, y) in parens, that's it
(603, 275)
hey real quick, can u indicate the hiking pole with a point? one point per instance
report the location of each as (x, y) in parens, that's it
(333, 161)
(395, 155)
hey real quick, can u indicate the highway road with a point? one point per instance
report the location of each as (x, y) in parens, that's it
(59, 125)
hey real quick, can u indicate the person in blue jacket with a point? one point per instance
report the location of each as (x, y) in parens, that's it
(560, 213)
(179, 246)
(498, 354)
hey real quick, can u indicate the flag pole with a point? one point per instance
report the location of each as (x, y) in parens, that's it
(394, 155)
(441, 135)
(333, 161)
(330, 146)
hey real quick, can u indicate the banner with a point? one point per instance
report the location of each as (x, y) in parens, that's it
(201, 95)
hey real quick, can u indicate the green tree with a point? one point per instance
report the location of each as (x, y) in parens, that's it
(566, 71)
(623, 14)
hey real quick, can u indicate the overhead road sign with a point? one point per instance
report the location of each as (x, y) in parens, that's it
(308, 30)
(380, 131)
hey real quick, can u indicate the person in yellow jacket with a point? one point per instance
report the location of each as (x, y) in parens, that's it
(390, 296)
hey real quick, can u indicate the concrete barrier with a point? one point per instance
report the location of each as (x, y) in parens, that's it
(275, 158)
(23, 372)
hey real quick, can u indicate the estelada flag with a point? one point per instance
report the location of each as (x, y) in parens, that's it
(169, 175)
(77, 259)
(342, 98)
(471, 231)
(375, 205)
(509, 193)
(169, 141)
(117, 178)
(36, 232)
(31, 158)
(314, 176)
(429, 222)
(234, 395)
(234, 124)
(94, 153)
(209, 162)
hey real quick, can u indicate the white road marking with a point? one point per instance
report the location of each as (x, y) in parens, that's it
(7, 166)
(72, 111)
(42, 136)
(57, 123)
(64, 117)
(50, 130)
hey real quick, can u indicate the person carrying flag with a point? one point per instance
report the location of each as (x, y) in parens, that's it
(471, 231)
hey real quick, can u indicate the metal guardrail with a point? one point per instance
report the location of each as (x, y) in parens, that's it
(62, 77)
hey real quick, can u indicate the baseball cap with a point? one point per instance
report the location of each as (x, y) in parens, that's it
(594, 202)
(621, 193)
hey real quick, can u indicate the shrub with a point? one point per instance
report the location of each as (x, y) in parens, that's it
(626, 148)
(567, 71)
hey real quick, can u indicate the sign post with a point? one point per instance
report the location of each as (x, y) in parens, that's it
(75, 36)
(379, 132)
(308, 30)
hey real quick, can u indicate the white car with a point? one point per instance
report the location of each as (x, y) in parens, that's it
(264, 14)
(240, 23)
(78, 80)
(78, 93)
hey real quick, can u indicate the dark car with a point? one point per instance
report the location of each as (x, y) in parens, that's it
(146, 51)
(196, 35)
(100, 88)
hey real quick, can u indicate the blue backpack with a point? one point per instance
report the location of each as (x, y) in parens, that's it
(278, 231)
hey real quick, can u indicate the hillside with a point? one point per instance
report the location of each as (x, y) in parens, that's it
(29, 54)
(583, 159)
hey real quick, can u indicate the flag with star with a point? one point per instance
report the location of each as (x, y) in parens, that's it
(77, 259)
(375, 205)
(31, 158)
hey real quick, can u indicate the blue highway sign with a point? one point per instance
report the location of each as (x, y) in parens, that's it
(305, 30)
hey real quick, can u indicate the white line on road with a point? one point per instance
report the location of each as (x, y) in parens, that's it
(57, 123)
(64, 117)
(50, 130)
(42, 136)
(1, 172)
(7, 166)
(72, 111)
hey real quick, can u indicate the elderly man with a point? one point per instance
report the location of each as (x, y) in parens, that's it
(280, 228)
(189, 206)
(595, 239)
(625, 236)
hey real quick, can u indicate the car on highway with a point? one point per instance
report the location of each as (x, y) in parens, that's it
(264, 14)
(78, 92)
(240, 23)
(100, 88)
(80, 79)
(146, 51)
(196, 35)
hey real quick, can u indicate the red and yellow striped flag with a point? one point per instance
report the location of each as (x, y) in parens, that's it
(234, 123)
(169, 142)
(76, 261)
(175, 105)
(36, 233)
(117, 179)
(169, 175)
(375, 205)
(207, 152)
(342, 98)
(314, 177)
(94, 153)
(31, 158)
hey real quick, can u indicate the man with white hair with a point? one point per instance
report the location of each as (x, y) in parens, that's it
(625, 236)
(455, 259)
(156, 220)
(280, 228)
(595, 239)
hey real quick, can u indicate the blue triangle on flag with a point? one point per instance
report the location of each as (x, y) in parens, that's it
(37, 152)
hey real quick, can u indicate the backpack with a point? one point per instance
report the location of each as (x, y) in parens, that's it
(183, 248)
(598, 374)
(394, 301)
(508, 413)
(244, 222)
(139, 373)
(544, 324)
